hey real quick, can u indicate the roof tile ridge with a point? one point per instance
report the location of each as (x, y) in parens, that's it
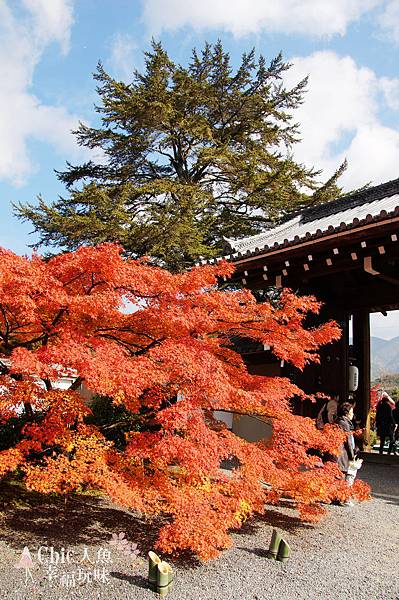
(354, 198)
(249, 240)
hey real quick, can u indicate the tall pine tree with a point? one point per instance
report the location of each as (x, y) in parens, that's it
(190, 155)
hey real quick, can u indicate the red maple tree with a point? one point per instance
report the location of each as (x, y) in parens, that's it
(375, 395)
(161, 345)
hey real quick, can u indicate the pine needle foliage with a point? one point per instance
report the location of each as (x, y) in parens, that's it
(189, 155)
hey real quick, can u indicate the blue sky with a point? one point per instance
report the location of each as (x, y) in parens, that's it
(49, 48)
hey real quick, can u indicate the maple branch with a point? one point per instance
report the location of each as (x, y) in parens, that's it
(150, 346)
(4, 369)
(93, 284)
(76, 384)
(122, 343)
(29, 410)
(6, 325)
(58, 316)
(125, 330)
(127, 422)
(78, 276)
(142, 349)
(136, 293)
(48, 384)
(29, 343)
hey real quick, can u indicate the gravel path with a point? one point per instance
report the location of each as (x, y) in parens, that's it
(352, 554)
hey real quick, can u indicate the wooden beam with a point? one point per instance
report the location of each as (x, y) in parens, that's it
(340, 263)
(368, 267)
(373, 230)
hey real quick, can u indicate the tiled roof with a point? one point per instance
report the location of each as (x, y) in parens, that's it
(348, 212)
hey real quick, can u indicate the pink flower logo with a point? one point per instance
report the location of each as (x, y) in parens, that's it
(120, 542)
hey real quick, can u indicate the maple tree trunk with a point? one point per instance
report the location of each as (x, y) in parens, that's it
(28, 410)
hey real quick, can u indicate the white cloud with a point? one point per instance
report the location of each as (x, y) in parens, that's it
(373, 156)
(390, 89)
(341, 117)
(122, 58)
(22, 115)
(52, 20)
(243, 17)
(385, 327)
(388, 20)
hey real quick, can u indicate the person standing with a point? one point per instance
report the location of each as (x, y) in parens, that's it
(327, 413)
(348, 451)
(385, 423)
(395, 414)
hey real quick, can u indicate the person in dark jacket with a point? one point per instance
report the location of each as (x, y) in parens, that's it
(348, 452)
(385, 423)
(395, 414)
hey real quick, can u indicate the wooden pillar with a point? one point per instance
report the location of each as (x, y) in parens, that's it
(335, 358)
(344, 380)
(361, 347)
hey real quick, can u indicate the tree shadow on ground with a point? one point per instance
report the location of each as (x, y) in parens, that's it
(32, 519)
(136, 580)
(388, 498)
(261, 552)
(275, 517)
(29, 518)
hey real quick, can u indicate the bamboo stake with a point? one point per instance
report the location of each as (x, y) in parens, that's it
(283, 551)
(153, 562)
(274, 544)
(163, 574)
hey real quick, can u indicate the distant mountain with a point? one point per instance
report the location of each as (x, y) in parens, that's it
(384, 356)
